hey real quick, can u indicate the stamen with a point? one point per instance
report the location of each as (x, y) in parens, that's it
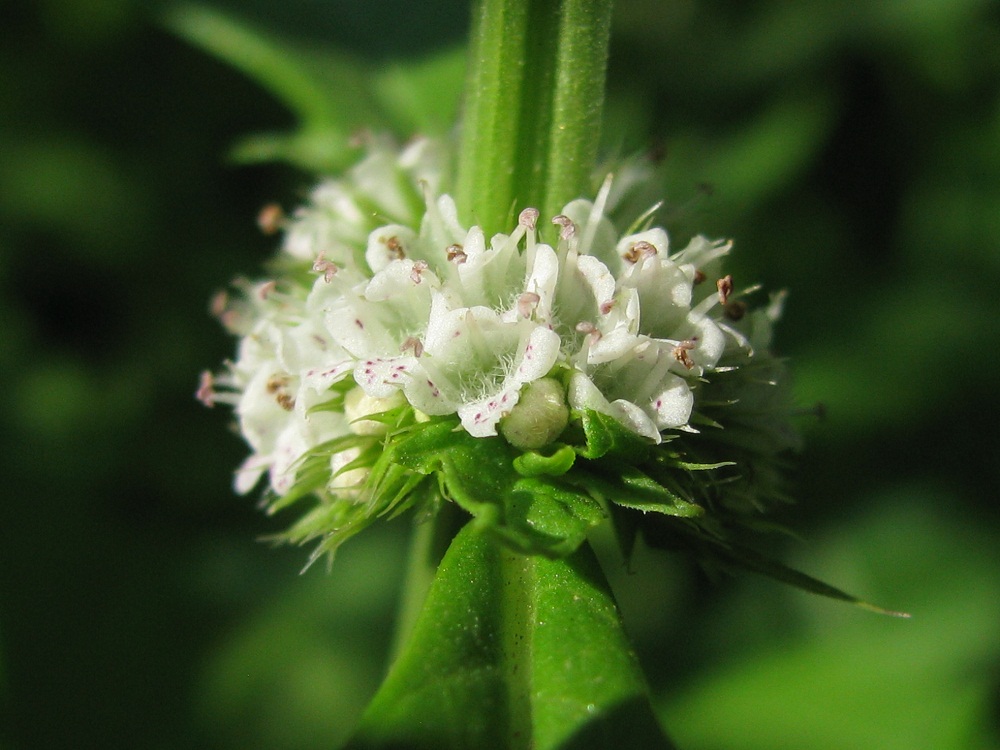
(219, 304)
(412, 342)
(568, 230)
(699, 276)
(326, 267)
(528, 218)
(271, 218)
(416, 273)
(206, 389)
(395, 247)
(265, 289)
(276, 383)
(639, 250)
(456, 254)
(607, 306)
(681, 352)
(527, 303)
(725, 287)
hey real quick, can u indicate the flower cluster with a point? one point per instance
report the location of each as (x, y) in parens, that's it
(383, 303)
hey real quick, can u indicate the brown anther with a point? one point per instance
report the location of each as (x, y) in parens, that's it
(527, 303)
(416, 273)
(412, 342)
(456, 254)
(736, 309)
(681, 353)
(395, 247)
(725, 287)
(568, 227)
(640, 249)
(699, 276)
(326, 267)
(607, 307)
(206, 389)
(276, 382)
(285, 400)
(219, 304)
(528, 218)
(270, 218)
(266, 288)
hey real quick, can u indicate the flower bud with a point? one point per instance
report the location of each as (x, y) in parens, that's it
(539, 417)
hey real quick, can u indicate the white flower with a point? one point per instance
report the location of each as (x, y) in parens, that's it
(407, 306)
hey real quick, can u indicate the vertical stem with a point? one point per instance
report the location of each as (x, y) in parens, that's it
(534, 96)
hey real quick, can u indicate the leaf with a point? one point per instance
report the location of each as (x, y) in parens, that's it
(513, 651)
(327, 93)
(331, 95)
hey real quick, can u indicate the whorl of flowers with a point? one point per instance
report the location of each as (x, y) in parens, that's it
(544, 375)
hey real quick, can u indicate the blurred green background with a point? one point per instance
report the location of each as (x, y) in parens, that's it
(853, 151)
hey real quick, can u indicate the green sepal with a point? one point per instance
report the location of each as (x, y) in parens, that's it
(534, 464)
(536, 513)
(513, 652)
(737, 557)
(606, 436)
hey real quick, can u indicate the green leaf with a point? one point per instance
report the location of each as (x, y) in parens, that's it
(513, 651)
(327, 93)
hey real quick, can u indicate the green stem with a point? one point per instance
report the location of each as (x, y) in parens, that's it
(534, 96)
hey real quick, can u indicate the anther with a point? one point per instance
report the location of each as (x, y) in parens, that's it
(412, 342)
(699, 276)
(640, 249)
(568, 227)
(527, 303)
(681, 353)
(456, 254)
(395, 247)
(271, 218)
(592, 335)
(219, 304)
(326, 267)
(528, 218)
(725, 287)
(266, 288)
(206, 389)
(416, 273)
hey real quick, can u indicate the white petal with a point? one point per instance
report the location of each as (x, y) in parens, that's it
(249, 473)
(673, 404)
(381, 378)
(538, 355)
(480, 418)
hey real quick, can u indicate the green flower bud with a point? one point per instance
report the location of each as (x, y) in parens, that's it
(539, 417)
